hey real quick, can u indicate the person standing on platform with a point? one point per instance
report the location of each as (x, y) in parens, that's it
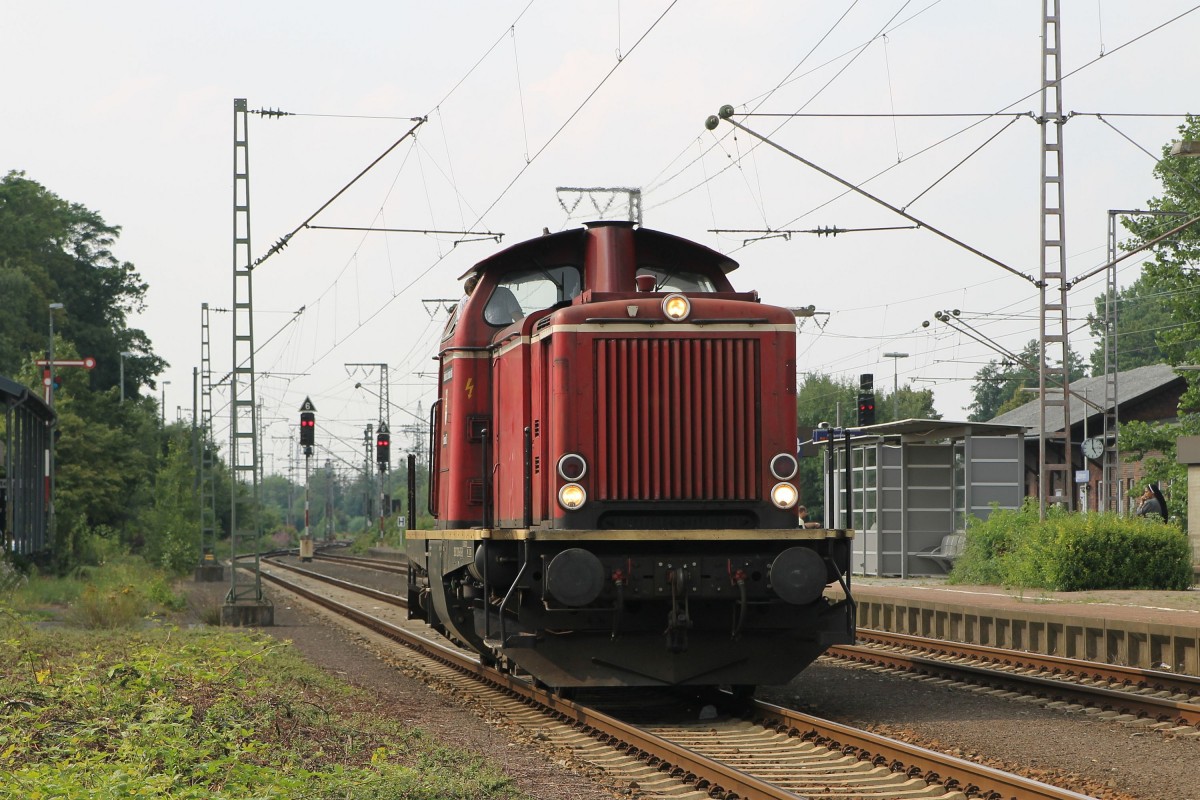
(1152, 502)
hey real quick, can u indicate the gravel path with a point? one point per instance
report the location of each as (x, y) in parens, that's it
(1100, 759)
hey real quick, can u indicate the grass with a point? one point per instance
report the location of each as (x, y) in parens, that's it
(203, 714)
(119, 594)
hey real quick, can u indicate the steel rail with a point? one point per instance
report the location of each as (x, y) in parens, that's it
(1157, 708)
(366, 563)
(681, 762)
(1158, 680)
(915, 761)
(720, 780)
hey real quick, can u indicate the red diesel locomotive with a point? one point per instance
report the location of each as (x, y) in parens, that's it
(613, 473)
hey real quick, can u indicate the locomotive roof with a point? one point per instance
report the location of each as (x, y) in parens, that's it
(645, 239)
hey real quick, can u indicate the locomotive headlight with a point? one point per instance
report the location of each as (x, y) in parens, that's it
(783, 495)
(572, 496)
(676, 307)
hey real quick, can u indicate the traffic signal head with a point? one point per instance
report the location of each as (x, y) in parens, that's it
(866, 408)
(383, 450)
(308, 428)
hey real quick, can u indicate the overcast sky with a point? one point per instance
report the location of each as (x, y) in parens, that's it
(127, 108)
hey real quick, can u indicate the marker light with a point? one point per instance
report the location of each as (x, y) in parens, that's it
(676, 307)
(572, 467)
(784, 466)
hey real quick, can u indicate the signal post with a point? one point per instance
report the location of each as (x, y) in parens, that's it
(308, 433)
(383, 458)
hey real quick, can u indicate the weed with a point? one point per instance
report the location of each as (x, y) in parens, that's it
(206, 609)
(189, 714)
(96, 609)
(10, 578)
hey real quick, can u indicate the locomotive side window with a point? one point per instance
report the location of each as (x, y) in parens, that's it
(520, 293)
(670, 280)
(452, 322)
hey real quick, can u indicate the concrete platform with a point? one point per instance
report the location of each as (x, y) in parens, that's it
(1152, 630)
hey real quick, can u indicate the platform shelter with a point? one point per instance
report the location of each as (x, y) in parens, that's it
(915, 482)
(24, 449)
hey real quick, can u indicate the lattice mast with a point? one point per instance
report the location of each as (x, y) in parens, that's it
(243, 427)
(385, 407)
(1111, 490)
(1054, 468)
(208, 495)
(368, 473)
(328, 500)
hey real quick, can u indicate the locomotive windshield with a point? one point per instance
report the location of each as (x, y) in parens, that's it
(670, 280)
(520, 293)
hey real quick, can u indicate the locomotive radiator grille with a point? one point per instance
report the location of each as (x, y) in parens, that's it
(677, 419)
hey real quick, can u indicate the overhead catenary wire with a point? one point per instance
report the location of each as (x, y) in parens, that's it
(283, 242)
(885, 204)
(999, 112)
(553, 137)
(857, 53)
(367, 319)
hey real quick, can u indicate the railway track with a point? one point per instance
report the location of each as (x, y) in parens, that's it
(366, 563)
(1162, 701)
(765, 752)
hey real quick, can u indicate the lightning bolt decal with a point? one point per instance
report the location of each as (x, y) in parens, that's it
(470, 387)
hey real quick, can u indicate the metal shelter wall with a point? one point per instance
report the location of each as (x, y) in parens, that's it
(28, 423)
(908, 495)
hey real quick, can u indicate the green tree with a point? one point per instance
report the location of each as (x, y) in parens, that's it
(1171, 270)
(998, 384)
(52, 251)
(1141, 315)
(104, 459)
(1153, 444)
(826, 398)
(906, 403)
(171, 526)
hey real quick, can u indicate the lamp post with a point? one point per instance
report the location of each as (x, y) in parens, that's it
(895, 381)
(162, 404)
(124, 355)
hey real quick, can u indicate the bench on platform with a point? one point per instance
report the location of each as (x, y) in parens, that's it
(945, 553)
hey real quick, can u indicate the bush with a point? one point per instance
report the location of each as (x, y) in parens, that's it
(10, 578)
(1074, 552)
(96, 609)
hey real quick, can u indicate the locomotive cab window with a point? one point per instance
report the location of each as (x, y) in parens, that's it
(521, 293)
(671, 280)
